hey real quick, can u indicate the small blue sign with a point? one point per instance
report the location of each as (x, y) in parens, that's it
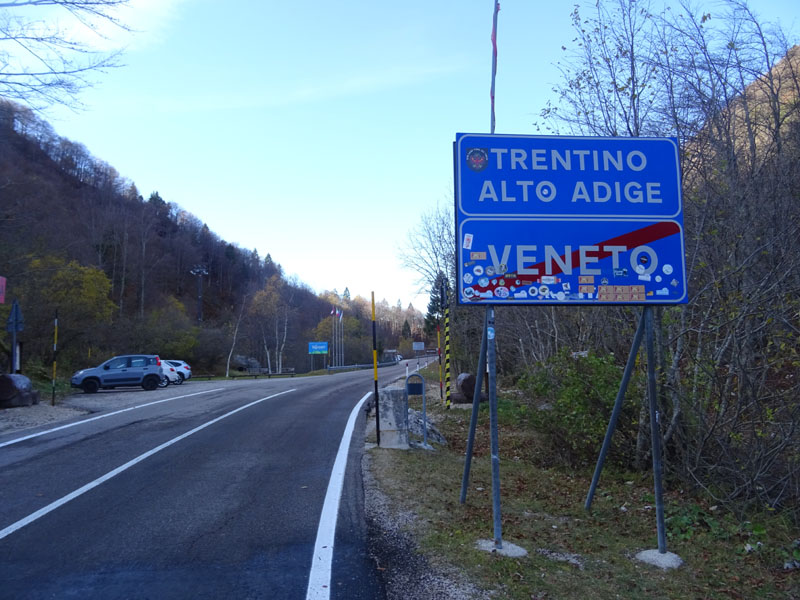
(317, 347)
(568, 220)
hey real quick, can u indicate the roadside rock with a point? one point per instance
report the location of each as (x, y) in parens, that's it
(415, 427)
(465, 389)
(17, 390)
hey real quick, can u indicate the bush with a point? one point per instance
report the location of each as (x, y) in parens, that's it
(576, 396)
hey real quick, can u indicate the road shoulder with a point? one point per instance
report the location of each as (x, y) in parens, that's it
(392, 532)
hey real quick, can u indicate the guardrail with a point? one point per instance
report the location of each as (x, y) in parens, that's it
(257, 372)
(254, 373)
(359, 367)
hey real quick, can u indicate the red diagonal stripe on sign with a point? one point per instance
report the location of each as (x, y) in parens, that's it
(632, 239)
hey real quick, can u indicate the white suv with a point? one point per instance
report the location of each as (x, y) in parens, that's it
(183, 368)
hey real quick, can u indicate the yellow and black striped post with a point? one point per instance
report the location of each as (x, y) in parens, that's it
(446, 304)
(375, 371)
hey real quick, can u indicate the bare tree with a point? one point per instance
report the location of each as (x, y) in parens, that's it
(45, 63)
(271, 310)
(235, 336)
(430, 248)
(727, 86)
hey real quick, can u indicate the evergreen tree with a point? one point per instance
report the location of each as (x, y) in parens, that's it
(436, 305)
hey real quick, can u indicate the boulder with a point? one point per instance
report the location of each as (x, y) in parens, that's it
(17, 390)
(415, 427)
(465, 388)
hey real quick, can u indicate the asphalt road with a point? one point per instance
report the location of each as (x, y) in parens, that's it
(216, 492)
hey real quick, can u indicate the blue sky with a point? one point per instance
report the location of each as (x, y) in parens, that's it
(317, 131)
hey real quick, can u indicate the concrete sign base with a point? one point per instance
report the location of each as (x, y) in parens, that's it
(665, 560)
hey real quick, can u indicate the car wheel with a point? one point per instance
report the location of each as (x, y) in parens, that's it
(90, 386)
(150, 383)
(179, 380)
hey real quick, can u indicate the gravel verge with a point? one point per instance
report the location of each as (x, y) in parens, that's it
(25, 417)
(406, 572)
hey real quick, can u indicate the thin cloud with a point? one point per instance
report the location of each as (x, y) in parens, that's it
(297, 93)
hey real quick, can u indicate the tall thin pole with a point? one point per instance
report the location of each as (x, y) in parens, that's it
(446, 303)
(491, 348)
(439, 352)
(55, 350)
(341, 338)
(655, 429)
(476, 404)
(612, 423)
(375, 370)
(198, 271)
(495, 441)
(494, 57)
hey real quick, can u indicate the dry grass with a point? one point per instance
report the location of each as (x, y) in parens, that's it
(542, 511)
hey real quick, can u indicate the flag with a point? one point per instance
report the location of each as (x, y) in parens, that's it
(341, 314)
(333, 309)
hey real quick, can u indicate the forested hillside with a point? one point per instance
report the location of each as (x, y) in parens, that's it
(125, 273)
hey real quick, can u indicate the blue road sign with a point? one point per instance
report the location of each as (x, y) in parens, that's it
(317, 347)
(15, 321)
(565, 220)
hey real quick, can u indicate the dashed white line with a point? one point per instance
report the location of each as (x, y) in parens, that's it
(93, 484)
(103, 416)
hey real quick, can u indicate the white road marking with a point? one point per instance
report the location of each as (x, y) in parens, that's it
(319, 578)
(93, 484)
(103, 416)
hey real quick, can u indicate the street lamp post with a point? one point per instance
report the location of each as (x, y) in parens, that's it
(198, 271)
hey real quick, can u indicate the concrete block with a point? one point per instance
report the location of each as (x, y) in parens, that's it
(393, 416)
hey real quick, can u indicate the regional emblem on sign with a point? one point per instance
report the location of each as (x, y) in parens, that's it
(477, 159)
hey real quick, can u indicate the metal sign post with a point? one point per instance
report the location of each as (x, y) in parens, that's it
(15, 324)
(655, 428)
(476, 401)
(491, 356)
(645, 328)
